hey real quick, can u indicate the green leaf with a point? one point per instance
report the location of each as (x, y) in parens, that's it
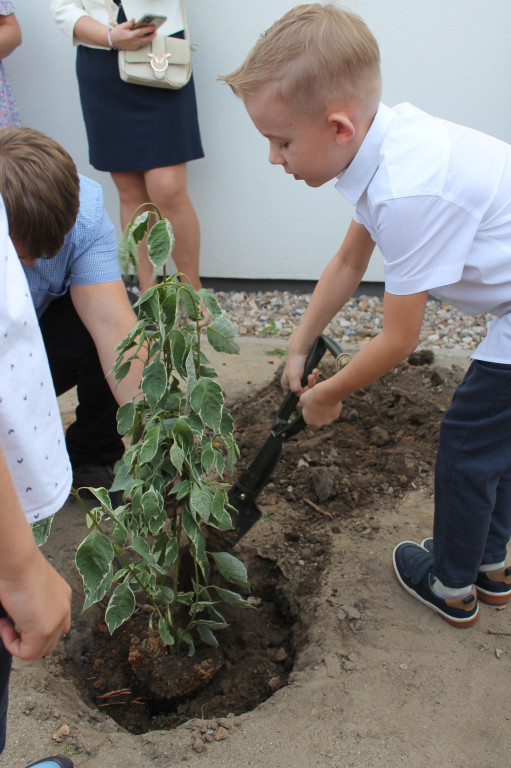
(227, 423)
(126, 417)
(103, 497)
(207, 457)
(160, 243)
(141, 547)
(231, 568)
(219, 514)
(169, 310)
(94, 597)
(210, 302)
(192, 529)
(200, 500)
(190, 300)
(221, 333)
(183, 434)
(154, 382)
(233, 454)
(152, 504)
(191, 373)
(206, 399)
(120, 606)
(140, 226)
(177, 351)
(94, 560)
(207, 636)
(122, 370)
(41, 530)
(231, 598)
(127, 253)
(165, 632)
(150, 445)
(177, 457)
(219, 463)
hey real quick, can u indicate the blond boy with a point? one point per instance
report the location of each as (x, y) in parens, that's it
(311, 85)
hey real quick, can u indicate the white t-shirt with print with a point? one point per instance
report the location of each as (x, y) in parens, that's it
(31, 432)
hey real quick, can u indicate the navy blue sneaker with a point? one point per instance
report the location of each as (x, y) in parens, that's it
(492, 587)
(414, 569)
(57, 761)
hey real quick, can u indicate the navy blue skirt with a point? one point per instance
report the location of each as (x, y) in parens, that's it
(134, 127)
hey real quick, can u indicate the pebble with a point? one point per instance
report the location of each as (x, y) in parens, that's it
(277, 313)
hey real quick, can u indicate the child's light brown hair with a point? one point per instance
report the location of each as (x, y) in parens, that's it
(40, 187)
(314, 55)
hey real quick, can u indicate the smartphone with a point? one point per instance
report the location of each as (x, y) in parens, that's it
(149, 20)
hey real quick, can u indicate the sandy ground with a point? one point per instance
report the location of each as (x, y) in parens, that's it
(381, 681)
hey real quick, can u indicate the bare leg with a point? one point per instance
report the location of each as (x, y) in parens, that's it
(133, 193)
(167, 189)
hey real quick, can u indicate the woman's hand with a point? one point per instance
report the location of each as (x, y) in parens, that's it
(126, 38)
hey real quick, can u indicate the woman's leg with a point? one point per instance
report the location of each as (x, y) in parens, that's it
(133, 193)
(167, 189)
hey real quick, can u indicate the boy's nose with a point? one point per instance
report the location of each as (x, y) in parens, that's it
(275, 156)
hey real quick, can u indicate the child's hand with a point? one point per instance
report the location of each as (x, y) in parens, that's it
(293, 372)
(39, 602)
(317, 410)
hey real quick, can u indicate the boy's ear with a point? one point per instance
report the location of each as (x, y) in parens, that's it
(344, 128)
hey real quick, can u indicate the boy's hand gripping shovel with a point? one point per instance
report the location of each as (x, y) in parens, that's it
(243, 493)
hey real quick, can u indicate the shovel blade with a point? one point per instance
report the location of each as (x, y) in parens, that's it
(247, 514)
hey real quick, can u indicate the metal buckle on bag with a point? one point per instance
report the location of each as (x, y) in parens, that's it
(159, 63)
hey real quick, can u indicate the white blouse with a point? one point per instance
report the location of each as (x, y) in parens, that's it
(67, 12)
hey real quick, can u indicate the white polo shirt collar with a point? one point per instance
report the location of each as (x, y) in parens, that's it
(355, 179)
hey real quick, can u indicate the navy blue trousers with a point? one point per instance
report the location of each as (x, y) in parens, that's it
(473, 476)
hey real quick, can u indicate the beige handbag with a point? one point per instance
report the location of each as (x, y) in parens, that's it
(163, 63)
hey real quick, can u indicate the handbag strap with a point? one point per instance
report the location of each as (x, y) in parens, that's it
(113, 10)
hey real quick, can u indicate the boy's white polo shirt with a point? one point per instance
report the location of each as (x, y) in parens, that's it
(436, 199)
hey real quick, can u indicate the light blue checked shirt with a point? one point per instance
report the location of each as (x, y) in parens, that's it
(88, 256)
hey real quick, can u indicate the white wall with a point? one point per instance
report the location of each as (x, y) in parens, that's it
(449, 57)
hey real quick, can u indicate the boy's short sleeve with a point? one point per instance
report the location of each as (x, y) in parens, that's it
(425, 246)
(94, 258)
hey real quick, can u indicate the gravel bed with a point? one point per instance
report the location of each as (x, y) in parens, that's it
(277, 313)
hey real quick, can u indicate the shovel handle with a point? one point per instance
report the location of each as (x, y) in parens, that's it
(281, 428)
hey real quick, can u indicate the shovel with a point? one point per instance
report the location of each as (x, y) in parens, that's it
(245, 490)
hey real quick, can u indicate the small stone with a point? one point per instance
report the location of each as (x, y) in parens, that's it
(255, 601)
(61, 733)
(498, 652)
(199, 746)
(221, 734)
(379, 436)
(281, 655)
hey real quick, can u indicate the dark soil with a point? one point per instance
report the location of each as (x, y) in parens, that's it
(384, 443)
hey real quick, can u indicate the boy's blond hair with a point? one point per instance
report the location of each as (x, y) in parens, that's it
(314, 55)
(40, 188)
